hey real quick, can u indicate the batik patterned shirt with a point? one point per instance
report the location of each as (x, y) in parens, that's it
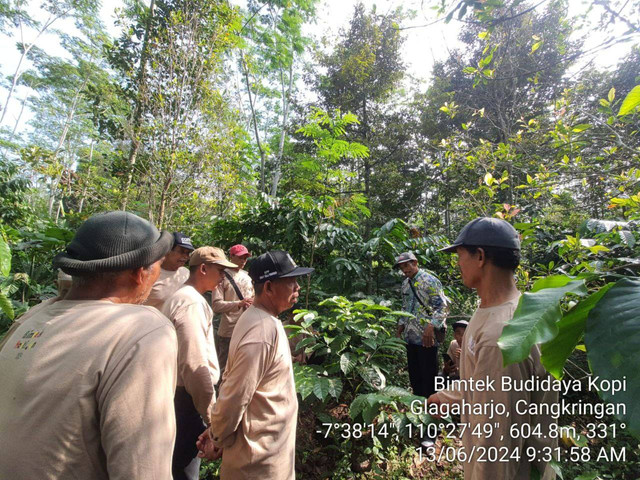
(434, 311)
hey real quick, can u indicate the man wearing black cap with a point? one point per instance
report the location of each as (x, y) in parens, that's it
(172, 272)
(254, 418)
(88, 381)
(488, 254)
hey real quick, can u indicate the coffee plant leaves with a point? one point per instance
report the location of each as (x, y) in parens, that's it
(5, 258)
(372, 376)
(347, 363)
(6, 307)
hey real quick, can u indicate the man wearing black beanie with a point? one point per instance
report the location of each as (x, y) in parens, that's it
(88, 381)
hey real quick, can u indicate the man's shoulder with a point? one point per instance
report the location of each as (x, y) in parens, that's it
(135, 319)
(428, 276)
(257, 326)
(184, 296)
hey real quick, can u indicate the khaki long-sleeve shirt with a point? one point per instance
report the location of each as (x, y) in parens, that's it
(225, 300)
(87, 392)
(481, 358)
(198, 369)
(168, 282)
(255, 416)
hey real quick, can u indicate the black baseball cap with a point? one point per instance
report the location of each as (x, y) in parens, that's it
(181, 240)
(486, 232)
(275, 264)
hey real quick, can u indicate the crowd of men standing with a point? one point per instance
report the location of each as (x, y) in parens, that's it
(121, 376)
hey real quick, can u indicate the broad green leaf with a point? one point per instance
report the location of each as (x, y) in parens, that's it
(535, 46)
(321, 388)
(630, 102)
(372, 376)
(6, 307)
(347, 363)
(556, 468)
(534, 321)
(357, 406)
(612, 94)
(488, 179)
(613, 346)
(305, 342)
(570, 330)
(627, 238)
(400, 423)
(5, 257)
(304, 388)
(335, 387)
(483, 35)
(370, 412)
(394, 391)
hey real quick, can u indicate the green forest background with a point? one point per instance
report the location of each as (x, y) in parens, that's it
(232, 125)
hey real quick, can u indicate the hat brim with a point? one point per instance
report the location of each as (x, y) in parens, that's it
(298, 272)
(397, 264)
(450, 248)
(225, 264)
(183, 245)
(126, 261)
(459, 324)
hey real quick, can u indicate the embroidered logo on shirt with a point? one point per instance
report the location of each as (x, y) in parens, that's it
(27, 343)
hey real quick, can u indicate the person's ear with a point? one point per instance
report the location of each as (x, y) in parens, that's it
(138, 275)
(268, 287)
(482, 256)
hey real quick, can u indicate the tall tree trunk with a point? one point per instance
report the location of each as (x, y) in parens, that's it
(84, 189)
(367, 167)
(137, 113)
(263, 162)
(285, 112)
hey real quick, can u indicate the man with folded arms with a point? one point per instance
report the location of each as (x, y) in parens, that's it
(88, 381)
(254, 419)
(232, 297)
(172, 272)
(198, 370)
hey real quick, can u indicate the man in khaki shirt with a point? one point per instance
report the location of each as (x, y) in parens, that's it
(88, 381)
(232, 297)
(198, 370)
(172, 272)
(254, 419)
(488, 254)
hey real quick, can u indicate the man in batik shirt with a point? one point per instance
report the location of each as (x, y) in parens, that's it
(422, 297)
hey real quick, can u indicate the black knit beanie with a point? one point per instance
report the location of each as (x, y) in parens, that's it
(113, 241)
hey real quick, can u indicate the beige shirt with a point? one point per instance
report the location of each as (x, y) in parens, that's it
(87, 393)
(255, 416)
(198, 369)
(168, 282)
(226, 301)
(453, 347)
(481, 358)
